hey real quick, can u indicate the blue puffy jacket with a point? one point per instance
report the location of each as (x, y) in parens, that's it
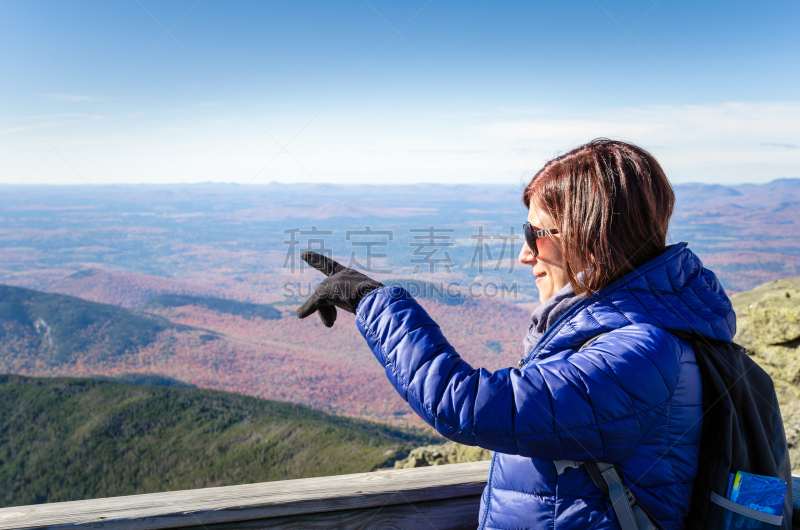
(632, 397)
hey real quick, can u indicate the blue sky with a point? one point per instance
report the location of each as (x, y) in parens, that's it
(99, 92)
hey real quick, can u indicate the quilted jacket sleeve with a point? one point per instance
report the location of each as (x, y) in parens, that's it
(595, 404)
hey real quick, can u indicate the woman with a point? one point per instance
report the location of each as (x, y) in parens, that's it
(605, 378)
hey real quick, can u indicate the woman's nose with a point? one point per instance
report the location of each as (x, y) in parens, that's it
(526, 256)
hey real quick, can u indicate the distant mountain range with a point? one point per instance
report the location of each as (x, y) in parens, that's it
(69, 439)
(201, 281)
(122, 244)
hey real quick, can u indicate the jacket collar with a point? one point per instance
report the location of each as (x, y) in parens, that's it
(672, 291)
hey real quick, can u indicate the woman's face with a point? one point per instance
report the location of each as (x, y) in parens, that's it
(548, 266)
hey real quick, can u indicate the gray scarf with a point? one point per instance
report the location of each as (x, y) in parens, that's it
(546, 314)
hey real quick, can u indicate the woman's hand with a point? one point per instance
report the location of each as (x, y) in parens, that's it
(342, 288)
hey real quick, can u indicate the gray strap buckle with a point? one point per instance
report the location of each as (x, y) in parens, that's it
(629, 514)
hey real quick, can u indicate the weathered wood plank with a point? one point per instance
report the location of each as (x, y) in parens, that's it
(155, 511)
(448, 514)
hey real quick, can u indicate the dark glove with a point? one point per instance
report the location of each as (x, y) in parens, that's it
(343, 288)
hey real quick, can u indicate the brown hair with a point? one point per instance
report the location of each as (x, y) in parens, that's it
(611, 203)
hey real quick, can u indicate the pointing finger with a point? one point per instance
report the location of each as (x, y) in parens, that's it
(322, 263)
(328, 315)
(310, 306)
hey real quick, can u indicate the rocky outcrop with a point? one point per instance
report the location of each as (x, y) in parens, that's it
(439, 454)
(768, 325)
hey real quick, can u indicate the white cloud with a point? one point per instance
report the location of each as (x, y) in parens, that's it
(725, 143)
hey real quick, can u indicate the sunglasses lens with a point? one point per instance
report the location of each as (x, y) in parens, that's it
(530, 239)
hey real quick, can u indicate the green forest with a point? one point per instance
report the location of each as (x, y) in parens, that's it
(67, 439)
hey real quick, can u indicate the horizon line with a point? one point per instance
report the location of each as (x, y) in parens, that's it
(348, 185)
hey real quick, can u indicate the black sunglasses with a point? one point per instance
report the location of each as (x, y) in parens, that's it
(532, 235)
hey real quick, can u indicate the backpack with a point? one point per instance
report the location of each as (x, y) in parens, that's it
(742, 431)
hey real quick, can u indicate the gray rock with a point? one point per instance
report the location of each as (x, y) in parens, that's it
(768, 325)
(440, 454)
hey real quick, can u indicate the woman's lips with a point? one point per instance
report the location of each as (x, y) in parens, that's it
(540, 276)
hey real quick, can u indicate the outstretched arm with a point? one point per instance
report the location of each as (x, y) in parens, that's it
(596, 404)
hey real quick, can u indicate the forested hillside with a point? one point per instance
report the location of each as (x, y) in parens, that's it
(67, 439)
(220, 305)
(54, 328)
(247, 348)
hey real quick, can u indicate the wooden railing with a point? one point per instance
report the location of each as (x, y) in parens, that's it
(440, 497)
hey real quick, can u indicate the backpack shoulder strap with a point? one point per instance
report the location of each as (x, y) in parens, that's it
(629, 514)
